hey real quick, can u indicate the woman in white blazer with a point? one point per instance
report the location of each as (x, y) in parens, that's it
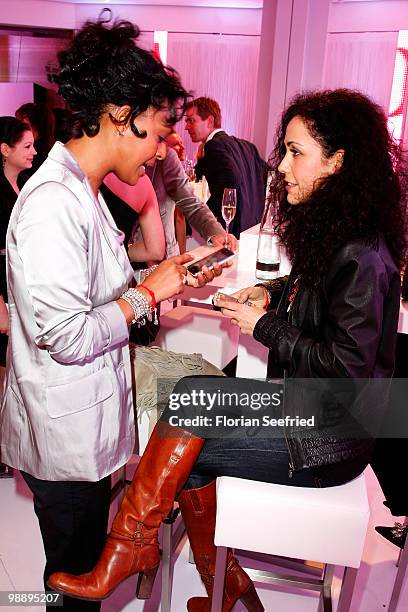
(67, 416)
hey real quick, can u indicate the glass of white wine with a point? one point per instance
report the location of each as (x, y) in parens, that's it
(229, 208)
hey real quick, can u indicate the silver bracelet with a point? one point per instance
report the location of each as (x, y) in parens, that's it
(149, 270)
(140, 306)
(141, 275)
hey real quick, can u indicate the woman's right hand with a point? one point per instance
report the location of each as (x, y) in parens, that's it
(256, 295)
(168, 278)
(4, 317)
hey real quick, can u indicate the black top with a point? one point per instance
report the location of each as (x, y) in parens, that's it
(7, 200)
(125, 217)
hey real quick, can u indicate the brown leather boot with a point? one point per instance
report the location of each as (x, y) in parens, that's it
(132, 545)
(198, 507)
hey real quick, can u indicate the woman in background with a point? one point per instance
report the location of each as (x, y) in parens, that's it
(41, 122)
(17, 154)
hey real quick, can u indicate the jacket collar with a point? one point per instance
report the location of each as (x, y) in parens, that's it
(61, 155)
(213, 133)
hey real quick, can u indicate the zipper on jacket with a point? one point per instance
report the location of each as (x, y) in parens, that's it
(291, 464)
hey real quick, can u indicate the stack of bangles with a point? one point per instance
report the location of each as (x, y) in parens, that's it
(142, 310)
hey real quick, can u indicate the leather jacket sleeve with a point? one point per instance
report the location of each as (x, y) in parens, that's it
(337, 333)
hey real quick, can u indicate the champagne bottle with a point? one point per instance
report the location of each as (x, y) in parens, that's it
(268, 254)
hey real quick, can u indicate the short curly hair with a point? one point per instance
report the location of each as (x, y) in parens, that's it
(103, 65)
(365, 198)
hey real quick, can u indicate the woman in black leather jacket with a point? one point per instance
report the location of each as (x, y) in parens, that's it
(344, 230)
(341, 194)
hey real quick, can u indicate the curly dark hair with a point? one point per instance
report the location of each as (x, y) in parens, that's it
(103, 65)
(365, 198)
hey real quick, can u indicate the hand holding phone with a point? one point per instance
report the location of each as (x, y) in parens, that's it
(220, 257)
(226, 298)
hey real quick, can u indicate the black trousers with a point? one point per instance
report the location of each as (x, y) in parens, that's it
(390, 454)
(73, 518)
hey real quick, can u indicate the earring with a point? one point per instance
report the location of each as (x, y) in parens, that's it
(3, 161)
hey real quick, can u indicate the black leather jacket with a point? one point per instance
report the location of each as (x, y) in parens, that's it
(344, 330)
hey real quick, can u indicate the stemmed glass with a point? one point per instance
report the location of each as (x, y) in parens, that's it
(229, 208)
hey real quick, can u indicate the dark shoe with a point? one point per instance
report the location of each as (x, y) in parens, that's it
(198, 507)
(396, 535)
(398, 510)
(132, 545)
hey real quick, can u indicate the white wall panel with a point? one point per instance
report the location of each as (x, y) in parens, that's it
(223, 68)
(363, 61)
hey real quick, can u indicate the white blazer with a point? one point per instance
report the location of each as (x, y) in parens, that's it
(67, 412)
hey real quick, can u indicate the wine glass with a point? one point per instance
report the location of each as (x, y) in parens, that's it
(229, 208)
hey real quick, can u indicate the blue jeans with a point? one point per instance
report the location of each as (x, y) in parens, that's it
(266, 460)
(245, 451)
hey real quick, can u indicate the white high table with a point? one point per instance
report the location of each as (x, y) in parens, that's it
(252, 356)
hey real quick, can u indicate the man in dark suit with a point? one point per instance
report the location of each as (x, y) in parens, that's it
(227, 161)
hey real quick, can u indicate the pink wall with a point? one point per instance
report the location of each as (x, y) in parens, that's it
(43, 13)
(380, 16)
(297, 33)
(13, 95)
(182, 18)
(38, 13)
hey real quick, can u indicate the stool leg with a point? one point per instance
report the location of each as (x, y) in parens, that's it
(325, 596)
(219, 579)
(400, 552)
(167, 568)
(399, 580)
(347, 588)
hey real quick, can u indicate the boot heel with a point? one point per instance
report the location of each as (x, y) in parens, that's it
(251, 600)
(145, 583)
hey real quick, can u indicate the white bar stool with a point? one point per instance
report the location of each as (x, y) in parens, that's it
(326, 525)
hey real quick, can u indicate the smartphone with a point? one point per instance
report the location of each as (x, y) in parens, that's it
(220, 256)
